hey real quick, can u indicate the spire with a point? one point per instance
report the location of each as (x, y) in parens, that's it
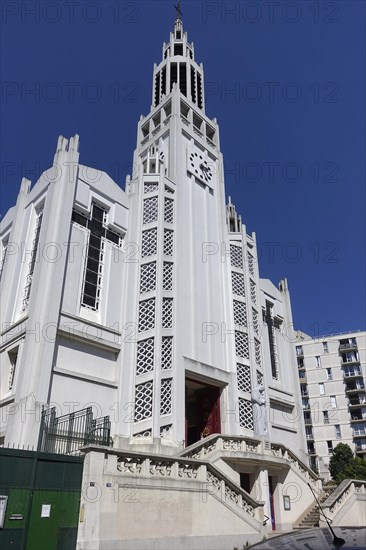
(178, 68)
(179, 11)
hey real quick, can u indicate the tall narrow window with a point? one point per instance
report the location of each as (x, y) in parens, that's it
(183, 78)
(193, 85)
(199, 91)
(329, 374)
(321, 388)
(325, 347)
(32, 262)
(272, 341)
(3, 257)
(338, 432)
(13, 357)
(318, 361)
(99, 234)
(173, 75)
(326, 417)
(330, 447)
(157, 89)
(333, 401)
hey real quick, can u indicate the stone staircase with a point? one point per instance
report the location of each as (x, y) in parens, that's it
(312, 517)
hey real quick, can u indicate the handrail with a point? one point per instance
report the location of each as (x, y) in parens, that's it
(195, 449)
(341, 491)
(236, 494)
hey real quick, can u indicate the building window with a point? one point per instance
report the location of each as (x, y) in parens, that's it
(299, 351)
(13, 357)
(338, 432)
(272, 340)
(330, 447)
(321, 388)
(99, 234)
(325, 347)
(326, 417)
(333, 401)
(3, 257)
(329, 374)
(318, 361)
(32, 262)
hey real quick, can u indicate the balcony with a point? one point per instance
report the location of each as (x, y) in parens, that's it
(302, 378)
(300, 365)
(352, 373)
(310, 436)
(359, 433)
(360, 448)
(357, 417)
(354, 388)
(311, 450)
(359, 430)
(299, 352)
(357, 401)
(349, 359)
(348, 346)
(308, 422)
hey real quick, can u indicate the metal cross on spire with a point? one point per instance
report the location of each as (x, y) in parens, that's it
(179, 10)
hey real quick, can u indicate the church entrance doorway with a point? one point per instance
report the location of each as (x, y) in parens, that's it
(202, 408)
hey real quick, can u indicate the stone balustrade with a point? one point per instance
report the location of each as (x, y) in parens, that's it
(215, 483)
(216, 443)
(349, 498)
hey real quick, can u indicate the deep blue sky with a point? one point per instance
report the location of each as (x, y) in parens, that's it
(311, 230)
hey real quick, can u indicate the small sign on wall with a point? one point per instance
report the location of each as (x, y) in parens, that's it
(46, 511)
(286, 502)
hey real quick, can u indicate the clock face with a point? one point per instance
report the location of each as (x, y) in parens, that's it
(200, 168)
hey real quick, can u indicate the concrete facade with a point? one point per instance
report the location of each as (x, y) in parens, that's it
(332, 381)
(147, 305)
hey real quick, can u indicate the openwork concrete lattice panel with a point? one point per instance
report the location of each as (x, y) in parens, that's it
(259, 378)
(166, 396)
(167, 313)
(150, 187)
(150, 210)
(168, 242)
(167, 352)
(167, 276)
(149, 244)
(243, 377)
(168, 210)
(241, 344)
(147, 315)
(257, 347)
(145, 356)
(253, 292)
(240, 313)
(255, 321)
(245, 414)
(143, 401)
(238, 283)
(250, 263)
(166, 431)
(148, 277)
(236, 256)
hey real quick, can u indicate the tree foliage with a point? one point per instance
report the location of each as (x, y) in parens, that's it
(356, 469)
(342, 456)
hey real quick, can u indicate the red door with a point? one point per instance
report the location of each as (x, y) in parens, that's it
(208, 400)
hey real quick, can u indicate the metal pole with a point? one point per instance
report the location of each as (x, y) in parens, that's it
(338, 542)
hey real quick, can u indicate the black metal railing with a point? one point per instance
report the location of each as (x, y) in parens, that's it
(67, 434)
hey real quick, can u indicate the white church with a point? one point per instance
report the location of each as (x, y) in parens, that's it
(146, 305)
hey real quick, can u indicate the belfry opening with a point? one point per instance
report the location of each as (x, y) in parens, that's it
(202, 406)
